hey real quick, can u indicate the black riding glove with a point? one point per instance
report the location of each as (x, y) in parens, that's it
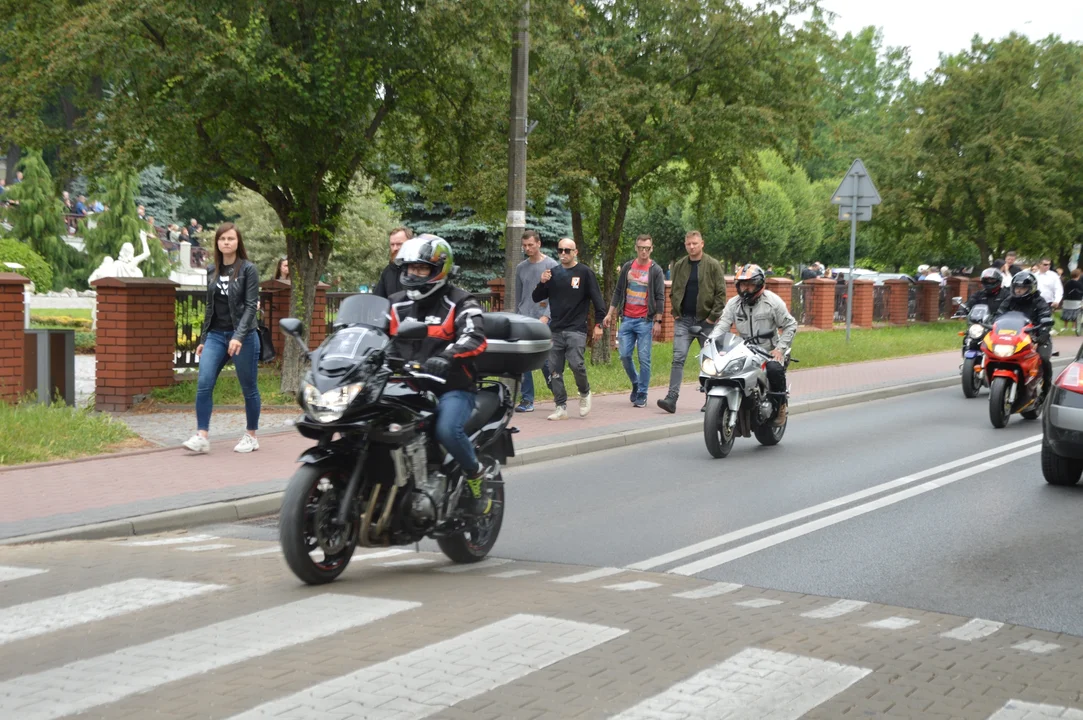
(437, 365)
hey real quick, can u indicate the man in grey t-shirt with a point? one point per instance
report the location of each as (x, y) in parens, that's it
(527, 276)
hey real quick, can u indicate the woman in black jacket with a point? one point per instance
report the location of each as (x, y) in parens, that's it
(229, 331)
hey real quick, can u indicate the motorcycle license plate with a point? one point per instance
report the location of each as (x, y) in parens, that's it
(972, 353)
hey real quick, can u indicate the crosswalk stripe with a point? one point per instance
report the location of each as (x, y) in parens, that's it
(591, 575)
(633, 586)
(720, 588)
(204, 548)
(393, 552)
(892, 623)
(1019, 710)
(183, 540)
(514, 573)
(86, 684)
(1036, 646)
(754, 684)
(261, 551)
(835, 609)
(436, 677)
(486, 563)
(758, 603)
(976, 629)
(8, 572)
(64, 611)
(406, 563)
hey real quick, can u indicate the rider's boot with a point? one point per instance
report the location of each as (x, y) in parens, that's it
(780, 418)
(477, 497)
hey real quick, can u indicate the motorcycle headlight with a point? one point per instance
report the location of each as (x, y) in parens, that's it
(1004, 350)
(976, 331)
(708, 366)
(734, 366)
(329, 406)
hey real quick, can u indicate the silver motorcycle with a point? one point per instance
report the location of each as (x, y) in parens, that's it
(733, 374)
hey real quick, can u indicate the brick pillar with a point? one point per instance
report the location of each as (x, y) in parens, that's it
(897, 301)
(783, 287)
(928, 300)
(137, 337)
(731, 289)
(822, 310)
(496, 287)
(958, 286)
(667, 315)
(862, 316)
(275, 305)
(12, 326)
(318, 332)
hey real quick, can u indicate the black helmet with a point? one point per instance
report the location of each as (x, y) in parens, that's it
(1024, 284)
(749, 282)
(992, 280)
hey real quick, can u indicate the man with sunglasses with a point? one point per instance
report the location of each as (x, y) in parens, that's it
(571, 289)
(640, 297)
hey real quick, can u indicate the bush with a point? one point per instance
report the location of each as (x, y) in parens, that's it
(12, 250)
(60, 321)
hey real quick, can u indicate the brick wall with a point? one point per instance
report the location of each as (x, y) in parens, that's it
(783, 287)
(279, 307)
(136, 339)
(897, 301)
(862, 308)
(928, 300)
(822, 303)
(12, 324)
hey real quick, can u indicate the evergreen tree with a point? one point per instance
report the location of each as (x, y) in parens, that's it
(120, 224)
(38, 217)
(157, 193)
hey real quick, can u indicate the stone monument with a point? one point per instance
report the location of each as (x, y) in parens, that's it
(126, 265)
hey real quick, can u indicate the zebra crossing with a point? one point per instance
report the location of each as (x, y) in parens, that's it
(453, 669)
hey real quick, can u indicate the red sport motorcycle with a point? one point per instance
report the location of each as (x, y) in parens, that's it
(1013, 369)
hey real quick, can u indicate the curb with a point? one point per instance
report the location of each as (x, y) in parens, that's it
(255, 506)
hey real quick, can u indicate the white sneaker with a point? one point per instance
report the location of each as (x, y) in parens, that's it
(584, 404)
(198, 444)
(560, 414)
(247, 444)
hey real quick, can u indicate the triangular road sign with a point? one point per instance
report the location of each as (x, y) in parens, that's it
(857, 181)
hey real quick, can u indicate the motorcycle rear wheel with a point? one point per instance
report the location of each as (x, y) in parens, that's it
(717, 434)
(305, 530)
(474, 545)
(1000, 409)
(971, 380)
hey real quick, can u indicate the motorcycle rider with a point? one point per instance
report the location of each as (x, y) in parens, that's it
(456, 337)
(991, 293)
(1026, 299)
(761, 318)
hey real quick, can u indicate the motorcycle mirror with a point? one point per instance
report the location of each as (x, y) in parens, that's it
(295, 329)
(412, 330)
(957, 300)
(696, 329)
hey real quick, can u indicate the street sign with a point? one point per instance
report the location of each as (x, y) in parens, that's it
(855, 197)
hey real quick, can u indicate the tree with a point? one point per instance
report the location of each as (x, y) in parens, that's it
(808, 222)
(38, 217)
(289, 100)
(755, 227)
(121, 224)
(157, 194)
(34, 267)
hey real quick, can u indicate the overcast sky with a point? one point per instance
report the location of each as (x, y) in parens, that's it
(929, 27)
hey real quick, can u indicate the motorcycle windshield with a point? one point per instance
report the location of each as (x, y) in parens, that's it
(727, 341)
(364, 309)
(1011, 323)
(348, 347)
(978, 314)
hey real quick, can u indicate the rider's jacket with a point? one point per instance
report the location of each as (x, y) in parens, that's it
(992, 300)
(456, 332)
(766, 322)
(1034, 307)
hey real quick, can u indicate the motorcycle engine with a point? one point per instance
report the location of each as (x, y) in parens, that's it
(427, 498)
(767, 408)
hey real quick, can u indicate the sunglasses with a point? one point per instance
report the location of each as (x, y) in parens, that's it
(644, 247)
(562, 251)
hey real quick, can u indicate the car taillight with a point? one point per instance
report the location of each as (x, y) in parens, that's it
(1071, 379)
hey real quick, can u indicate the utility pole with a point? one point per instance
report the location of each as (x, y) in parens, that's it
(516, 221)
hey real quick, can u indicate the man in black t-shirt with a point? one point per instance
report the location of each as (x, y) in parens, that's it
(571, 289)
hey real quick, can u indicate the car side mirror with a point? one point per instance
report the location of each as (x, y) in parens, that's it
(412, 330)
(295, 329)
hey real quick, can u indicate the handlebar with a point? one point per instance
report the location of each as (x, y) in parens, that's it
(413, 369)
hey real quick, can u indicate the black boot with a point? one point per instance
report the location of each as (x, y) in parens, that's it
(669, 403)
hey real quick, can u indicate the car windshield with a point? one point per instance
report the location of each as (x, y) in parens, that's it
(1012, 322)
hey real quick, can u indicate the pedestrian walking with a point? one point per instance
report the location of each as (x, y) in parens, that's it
(527, 276)
(570, 289)
(639, 300)
(389, 282)
(229, 333)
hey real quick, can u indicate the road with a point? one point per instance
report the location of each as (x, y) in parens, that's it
(899, 559)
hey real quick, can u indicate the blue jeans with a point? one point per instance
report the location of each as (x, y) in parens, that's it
(452, 413)
(528, 384)
(211, 362)
(636, 332)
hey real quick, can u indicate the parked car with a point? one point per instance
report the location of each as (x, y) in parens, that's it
(1062, 427)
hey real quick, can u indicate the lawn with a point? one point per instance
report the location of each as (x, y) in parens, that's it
(813, 349)
(82, 313)
(30, 432)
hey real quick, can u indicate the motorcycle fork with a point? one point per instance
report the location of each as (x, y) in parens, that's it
(352, 488)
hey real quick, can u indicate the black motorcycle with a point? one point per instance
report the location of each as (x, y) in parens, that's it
(377, 477)
(979, 323)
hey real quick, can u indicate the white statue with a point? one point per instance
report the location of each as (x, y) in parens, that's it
(126, 265)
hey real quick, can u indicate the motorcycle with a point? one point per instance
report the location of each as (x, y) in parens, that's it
(734, 377)
(972, 369)
(1013, 369)
(376, 476)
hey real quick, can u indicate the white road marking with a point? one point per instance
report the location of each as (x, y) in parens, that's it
(515, 573)
(436, 677)
(713, 561)
(758, 603)
(64, 611)
(86, 684)
(486, 563)
(1019, 710)
(976, 629)
(262, 551)
(633, 586)
(835, 609)
(711, 543)
(183, 540)
(720, 588)
(1036, 646)
(8, 572)
(204, 548)
(381, 554)
(754, 684)
(406, 563)
(591, 575)
(892, 623)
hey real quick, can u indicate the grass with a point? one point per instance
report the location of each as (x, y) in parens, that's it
(30, 432)
(82, 313)
(813, 349)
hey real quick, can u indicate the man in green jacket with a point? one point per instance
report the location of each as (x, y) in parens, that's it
(698, 296)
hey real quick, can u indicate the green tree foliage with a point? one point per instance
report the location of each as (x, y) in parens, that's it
(35, 266)
(158, 195)
(121, 224)
(754, 228)
(808, 223)
(38, 217)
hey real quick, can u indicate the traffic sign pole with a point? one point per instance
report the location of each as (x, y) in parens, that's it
(853, 249)
(857, 188)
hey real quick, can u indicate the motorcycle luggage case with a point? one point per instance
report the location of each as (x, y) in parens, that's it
(515, 344)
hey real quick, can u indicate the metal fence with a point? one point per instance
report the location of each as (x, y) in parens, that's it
(801, 303)
(189, 312)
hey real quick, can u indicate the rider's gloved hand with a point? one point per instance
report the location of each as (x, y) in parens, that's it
(436, 365)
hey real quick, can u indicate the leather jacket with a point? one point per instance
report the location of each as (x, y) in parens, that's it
(456, 333)
(243, 298)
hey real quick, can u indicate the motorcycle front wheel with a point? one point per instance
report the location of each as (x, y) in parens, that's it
(717, 433)
(770, 434)
(474, 544)
(316, 549)
(1000, 408)
(971, 379)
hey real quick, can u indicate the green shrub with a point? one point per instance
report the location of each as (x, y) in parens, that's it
(35, 267)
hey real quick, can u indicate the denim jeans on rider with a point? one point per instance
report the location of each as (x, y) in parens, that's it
(211, 362)
(636, 333)
(452, 413)
(528, 384)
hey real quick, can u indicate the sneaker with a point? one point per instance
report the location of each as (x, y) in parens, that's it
(584, 405)
(640, 401)
(633, 396)
(780, 418)
(247, 444)
(198, 444)
(477, 498)
(560, 414)
(668, 403)
(524, 407)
